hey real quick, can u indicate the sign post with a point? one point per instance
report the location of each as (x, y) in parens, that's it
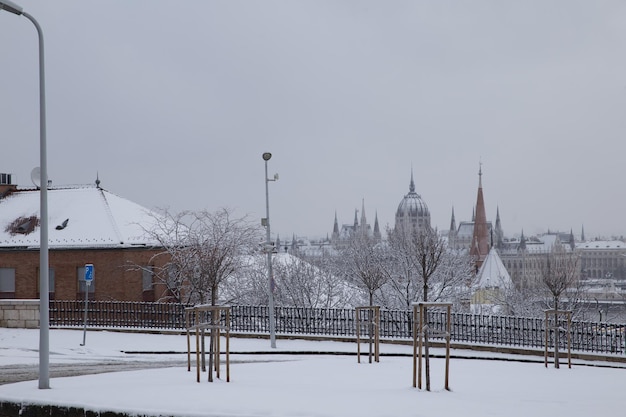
(89, 275)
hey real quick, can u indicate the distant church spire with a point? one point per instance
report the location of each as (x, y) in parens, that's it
(335, 228)
(582, 235)
(377, 235)
(522, 242)
(363, 219)
(452, 221)
(480, 238)
(499, 233)
(452, 233)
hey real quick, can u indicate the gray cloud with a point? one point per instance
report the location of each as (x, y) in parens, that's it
(173, 107)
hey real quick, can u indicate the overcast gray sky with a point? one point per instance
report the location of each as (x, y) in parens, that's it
(173, 103)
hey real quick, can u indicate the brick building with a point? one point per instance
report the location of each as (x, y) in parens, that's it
(87, 224)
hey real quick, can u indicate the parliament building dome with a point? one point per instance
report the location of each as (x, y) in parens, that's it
(412, 213)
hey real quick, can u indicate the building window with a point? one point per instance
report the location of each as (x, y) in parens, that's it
(147, 282)
(7, 282)
(50, 283)
(146, 277)
(91, 288)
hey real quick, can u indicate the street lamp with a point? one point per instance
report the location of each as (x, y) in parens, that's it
(44, 297)
(269, 249)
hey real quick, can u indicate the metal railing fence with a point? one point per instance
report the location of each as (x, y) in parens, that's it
(394, 324)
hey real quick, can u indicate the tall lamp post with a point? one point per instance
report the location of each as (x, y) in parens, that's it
(269, 249)
(44, 297)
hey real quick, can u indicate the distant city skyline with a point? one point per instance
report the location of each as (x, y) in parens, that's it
(174, 108)
(348, 219)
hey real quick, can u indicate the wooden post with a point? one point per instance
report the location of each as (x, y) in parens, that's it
(448, 331)
(377, 334)
(187, 325)
(213, 315)
(228, 345)
(545, 353)
(197, 323)
(419, 347)
(358, 335)
(556, 314)
(373, 324)
(215, 332)
(419, 325)
(414, 346)
(569, 340)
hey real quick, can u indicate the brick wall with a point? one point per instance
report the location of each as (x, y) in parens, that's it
(115, 278)
(22, 314)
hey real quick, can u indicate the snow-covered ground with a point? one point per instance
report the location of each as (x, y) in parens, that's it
(284, 384)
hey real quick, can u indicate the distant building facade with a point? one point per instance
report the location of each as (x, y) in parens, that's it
(525, 258)
(342, 235)
(603, 259)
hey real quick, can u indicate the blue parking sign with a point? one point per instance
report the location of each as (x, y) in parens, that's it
(89, 272)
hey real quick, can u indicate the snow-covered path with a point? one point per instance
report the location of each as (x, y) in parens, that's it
(307, 385)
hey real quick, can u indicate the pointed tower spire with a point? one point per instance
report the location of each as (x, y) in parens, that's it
(452, 231)
(377, 234)
(499, 233)
(480, 248)
(335, 229)
(277, 242)
(582, 234)
(363, 219)
(522, 242)
(412, 184)
(452, 220)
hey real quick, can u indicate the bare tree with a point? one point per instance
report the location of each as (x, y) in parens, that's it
(403, 287)
(303, 281)
(363, 263)
(204, 250)
(559, 273)
(424, 254)
(453, 278)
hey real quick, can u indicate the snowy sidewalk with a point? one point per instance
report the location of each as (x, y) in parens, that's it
(304, 385)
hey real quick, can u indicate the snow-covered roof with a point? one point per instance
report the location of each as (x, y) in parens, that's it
(492, 273)
(95, 218)
(466, 229)
(601, 244)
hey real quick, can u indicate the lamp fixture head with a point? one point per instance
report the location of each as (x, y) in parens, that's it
(267, 156)
(9, 6)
